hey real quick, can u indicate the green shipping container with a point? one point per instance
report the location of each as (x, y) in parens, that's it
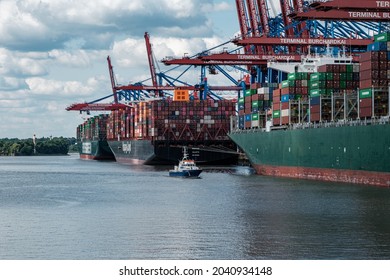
(317, 92)
(255, 117)
(276, 114)
(248, 92)
(241, 100)
(285, 84)
(317, 84)
(365, 93)
(318, 77)
(329, 91)
(255, 104)
(297, 76)
(329, 76)
(383, 37)
(349, 68)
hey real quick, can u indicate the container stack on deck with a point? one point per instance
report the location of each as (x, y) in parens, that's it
(332, 81)
(348, 91)
(95, 128)
(172, 120)
(290, 100)
(252, 108)
(375, 78)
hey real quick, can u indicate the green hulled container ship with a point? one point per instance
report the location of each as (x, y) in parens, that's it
(329, 120)
(92, 139)
(356, 152)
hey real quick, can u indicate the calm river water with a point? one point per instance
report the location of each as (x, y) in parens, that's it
(66, 208)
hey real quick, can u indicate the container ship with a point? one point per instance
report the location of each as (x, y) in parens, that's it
(154, 132)
(329, 120)
(92, 139)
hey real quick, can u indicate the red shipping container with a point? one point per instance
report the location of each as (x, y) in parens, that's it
(285, 105)
(365, 103)
(286, 90)
(365, 83)
(315, 109)
(315, 117)
(276, 106)
(322, 69)
(285, 120)
(365, 112)
(369, 56)
(276, 122)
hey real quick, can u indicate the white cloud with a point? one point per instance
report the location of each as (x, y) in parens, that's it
(59, 89)
(17, 64)
(10, 83)
(74, 58)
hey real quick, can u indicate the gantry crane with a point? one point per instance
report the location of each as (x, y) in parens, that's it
(350, 10)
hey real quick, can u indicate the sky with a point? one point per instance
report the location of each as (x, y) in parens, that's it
(53, 53)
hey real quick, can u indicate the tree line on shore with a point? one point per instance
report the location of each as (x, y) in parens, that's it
(42, 146)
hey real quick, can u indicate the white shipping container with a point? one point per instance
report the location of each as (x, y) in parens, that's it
(255, 123)
(266, 96)
(263, 90)
(304, 83)
(285, 112)
(355, 68)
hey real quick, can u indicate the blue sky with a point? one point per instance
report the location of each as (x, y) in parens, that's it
(53, 52)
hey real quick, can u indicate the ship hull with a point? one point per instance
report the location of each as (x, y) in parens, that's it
(95, 150)
(350, 154)
(185, 174)
(169, 153)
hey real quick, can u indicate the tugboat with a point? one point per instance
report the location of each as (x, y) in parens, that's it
(186, 168)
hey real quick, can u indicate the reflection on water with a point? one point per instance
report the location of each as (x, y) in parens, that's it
(66, 208)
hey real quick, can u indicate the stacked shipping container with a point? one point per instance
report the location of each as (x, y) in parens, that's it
(331, 80)
(195, 120)
(335, 89)
(375, 78)
(95, 128)
(252, 108)
(291, 99)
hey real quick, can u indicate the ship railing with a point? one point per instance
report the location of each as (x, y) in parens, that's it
(373, 121)
(383, 120)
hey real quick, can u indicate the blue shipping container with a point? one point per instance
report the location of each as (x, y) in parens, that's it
(315, 100)
(248, 118)
(377, 46)
(285, 98)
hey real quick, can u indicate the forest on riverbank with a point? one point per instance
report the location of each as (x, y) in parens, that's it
(43, 146)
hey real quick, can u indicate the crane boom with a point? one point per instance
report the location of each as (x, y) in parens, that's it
(112, 79)
(152, 67)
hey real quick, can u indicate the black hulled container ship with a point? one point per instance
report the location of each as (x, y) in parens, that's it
(155, 132)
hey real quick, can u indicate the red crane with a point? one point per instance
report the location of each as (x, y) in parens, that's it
(112, 79)
(151, 61)
(242, 20)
